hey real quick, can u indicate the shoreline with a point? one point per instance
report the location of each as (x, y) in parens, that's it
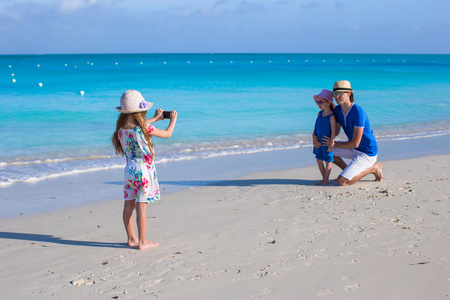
(100, 186)
(269, 234)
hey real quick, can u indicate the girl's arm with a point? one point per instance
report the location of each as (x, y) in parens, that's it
(333, 133)
(156, 117)
(165, 134)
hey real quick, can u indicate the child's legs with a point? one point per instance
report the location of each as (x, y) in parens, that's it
(128, 209)
(328, 165)
(141, 216)
(321, 167)
(141, 220)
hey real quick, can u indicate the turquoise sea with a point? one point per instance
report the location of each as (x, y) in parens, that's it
(58, 111)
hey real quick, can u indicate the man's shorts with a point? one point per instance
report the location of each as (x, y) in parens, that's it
(360, 161)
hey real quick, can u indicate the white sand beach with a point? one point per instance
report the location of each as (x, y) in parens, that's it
(271, 235)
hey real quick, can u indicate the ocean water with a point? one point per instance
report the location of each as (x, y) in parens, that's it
(59, 110)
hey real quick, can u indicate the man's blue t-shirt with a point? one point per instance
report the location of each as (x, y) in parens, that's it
(357, 118)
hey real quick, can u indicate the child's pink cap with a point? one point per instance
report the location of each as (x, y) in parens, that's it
(326, 94)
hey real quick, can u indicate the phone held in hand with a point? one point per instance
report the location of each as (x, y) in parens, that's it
(166, 114)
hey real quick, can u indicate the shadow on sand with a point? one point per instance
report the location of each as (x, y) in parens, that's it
(241, 182)
(44, 238)
(237, 182)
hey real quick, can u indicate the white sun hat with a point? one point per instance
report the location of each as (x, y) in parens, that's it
(133, 102)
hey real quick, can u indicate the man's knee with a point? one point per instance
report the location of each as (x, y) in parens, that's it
(342, 181)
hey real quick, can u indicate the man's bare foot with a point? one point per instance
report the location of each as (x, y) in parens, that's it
(147, 245)
(378, 172)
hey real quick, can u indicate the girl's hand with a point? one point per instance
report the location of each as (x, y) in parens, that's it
(316, 141)
(173, 115)
(158, 114)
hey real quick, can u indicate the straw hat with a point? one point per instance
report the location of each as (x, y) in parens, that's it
(342, 86)
(133, 102)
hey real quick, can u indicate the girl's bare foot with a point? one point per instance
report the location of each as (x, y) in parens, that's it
(133, 243)
(378, 172)
(147, 245)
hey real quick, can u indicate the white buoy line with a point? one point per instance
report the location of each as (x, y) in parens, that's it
(231, 62)
(40, 84)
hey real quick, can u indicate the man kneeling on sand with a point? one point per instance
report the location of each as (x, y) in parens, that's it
(361, 147)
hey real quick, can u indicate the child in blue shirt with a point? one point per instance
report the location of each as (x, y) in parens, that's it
(325, 126)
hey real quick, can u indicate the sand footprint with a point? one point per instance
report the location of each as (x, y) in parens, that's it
(353, 261)
(83, 282)
(325, 292)
(352, 287)
(264, 292)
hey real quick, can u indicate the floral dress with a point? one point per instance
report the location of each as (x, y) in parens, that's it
(140, 179)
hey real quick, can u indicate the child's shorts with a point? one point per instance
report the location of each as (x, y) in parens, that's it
(360, 161)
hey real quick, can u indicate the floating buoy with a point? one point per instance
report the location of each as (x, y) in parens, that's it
(189, 62)
(88, 63)
(13, 80)
(12, 74)
(65, 65)
(306, 60)
(75, 67)
(10, 66)
(38, 66)
(82, 93)
(141, 62)
(117, 63)
(270, 61)
(231, 62)
(210, 61)
(40, 84)
(251, 61)
(164, 62)
(289, 60)
(323, 60)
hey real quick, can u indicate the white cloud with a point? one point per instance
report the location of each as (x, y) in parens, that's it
(184, 12)
(70, 6)
(311, 4)
(249, 7)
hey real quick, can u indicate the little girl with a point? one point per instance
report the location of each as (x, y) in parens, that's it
(133, 138)
(325, 126)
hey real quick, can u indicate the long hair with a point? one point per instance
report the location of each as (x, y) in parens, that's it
(140, 119)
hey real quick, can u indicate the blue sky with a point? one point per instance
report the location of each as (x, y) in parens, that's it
(280, 26)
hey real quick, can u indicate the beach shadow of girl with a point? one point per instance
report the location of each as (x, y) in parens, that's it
(45, 238)
(241, 182)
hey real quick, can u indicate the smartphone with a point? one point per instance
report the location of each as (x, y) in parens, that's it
(166, 114)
